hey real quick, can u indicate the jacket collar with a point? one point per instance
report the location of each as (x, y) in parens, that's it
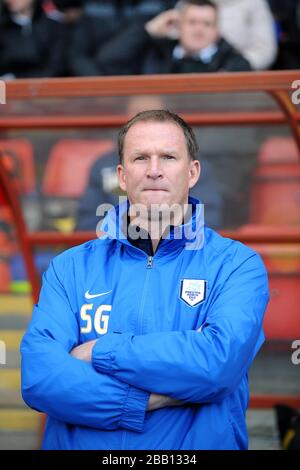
(204, 55)
(189, 235)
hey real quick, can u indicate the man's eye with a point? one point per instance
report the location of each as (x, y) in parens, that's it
(169, 157)
(141, 157)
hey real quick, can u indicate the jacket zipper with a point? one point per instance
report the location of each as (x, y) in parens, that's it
(140, 320)
(141, 313)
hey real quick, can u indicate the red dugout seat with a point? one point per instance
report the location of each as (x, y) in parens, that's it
(68, 166)
(275, 192)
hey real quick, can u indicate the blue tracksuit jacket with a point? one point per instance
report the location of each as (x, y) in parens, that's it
(146, 312)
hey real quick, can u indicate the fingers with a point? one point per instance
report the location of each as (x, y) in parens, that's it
(163, 25)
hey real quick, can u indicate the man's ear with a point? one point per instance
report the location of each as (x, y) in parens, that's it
(121, 177)
(194, 173)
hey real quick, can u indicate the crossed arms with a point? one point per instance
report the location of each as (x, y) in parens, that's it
(156, 401)
(112, 382)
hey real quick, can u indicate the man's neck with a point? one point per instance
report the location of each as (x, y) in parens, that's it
(157, 228)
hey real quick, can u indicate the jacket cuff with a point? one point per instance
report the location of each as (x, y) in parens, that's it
(135, 407)
(105, 351)
(104, 354)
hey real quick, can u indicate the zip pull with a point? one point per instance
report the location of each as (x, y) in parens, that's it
(150, 262)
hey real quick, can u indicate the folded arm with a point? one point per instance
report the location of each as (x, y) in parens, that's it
(55, 382)
(196, 366)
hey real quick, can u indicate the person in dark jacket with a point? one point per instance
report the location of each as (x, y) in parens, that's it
(103, 186)
(31, 43)
(152, 48)
(101, 21)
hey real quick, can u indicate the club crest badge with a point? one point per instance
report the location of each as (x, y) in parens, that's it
(193, 291)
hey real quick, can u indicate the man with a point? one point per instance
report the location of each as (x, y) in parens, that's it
(31, 44)
(196, 47)
(143, 341)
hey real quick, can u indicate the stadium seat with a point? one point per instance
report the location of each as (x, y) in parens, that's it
(68, 166)
(275, 192)
(282, 320)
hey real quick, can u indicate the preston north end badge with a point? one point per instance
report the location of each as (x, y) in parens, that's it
(193, 291)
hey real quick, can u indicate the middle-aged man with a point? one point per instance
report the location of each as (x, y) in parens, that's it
(144, 340)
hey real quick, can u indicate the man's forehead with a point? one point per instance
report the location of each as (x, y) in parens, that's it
(147, 139)
(198, 10)
(161, 130)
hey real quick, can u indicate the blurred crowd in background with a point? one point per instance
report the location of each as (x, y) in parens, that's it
(56, 38)
(250, 175)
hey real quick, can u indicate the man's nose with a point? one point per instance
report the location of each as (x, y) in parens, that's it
(154, 169)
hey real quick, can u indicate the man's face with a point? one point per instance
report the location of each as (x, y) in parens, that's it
(156, 165)
(198, 27)
(18, 6)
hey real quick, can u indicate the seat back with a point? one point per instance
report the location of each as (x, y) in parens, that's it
(18, 158)
(69, 164)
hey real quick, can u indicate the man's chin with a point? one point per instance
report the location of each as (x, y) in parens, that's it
(156, 206)
(155, 198)
(196, 47)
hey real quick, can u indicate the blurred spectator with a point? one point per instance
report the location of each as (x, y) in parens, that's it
(70, 13)
(287, 16)
(101, 21)
(248, 25)
(31, 44)
(148, 48)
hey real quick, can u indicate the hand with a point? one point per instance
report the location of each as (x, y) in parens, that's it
(164, 25)
(84, 351)
(160, 401)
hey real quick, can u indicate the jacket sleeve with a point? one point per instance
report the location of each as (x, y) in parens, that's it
(237, 63)
(124, 53)
(53, 62)
(62, 386)
(81, 48)
(194, 366)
